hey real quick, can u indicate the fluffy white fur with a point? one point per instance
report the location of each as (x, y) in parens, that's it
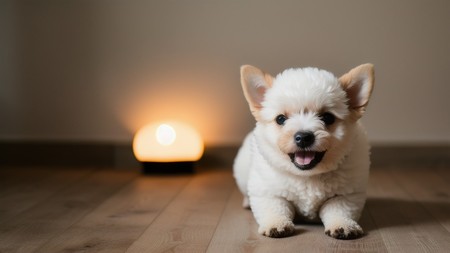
(277, 190)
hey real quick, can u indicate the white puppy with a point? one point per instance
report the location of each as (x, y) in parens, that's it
(308, 156)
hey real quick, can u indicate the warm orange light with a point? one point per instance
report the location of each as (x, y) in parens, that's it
(168, 142)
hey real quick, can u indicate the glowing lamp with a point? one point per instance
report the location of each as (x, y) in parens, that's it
(170, 147)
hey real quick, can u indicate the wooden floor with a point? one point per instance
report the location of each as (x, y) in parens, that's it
(93, 210)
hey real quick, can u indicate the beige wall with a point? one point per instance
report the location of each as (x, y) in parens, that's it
(98, 70)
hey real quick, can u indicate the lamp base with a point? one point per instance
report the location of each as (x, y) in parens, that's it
(167, 168)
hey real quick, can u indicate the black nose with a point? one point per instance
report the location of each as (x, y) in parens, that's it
(304, 139)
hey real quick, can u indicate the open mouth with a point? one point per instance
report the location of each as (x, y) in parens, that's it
(306, 160)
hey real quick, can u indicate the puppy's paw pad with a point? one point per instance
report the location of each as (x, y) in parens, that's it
(351, 232)
(279, 231)
(275, 233)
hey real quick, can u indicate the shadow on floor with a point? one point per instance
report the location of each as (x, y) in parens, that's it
(385, 213)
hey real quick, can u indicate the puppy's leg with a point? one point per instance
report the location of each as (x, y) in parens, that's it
(274, 216)
(339, 215)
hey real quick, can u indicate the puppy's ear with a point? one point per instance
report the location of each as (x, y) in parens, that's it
(358, 84)
(255, 83)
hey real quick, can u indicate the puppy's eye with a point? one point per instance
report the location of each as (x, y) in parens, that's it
(280, 119)
(328, 118)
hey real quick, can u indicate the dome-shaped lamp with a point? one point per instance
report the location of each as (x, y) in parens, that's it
(169, 147)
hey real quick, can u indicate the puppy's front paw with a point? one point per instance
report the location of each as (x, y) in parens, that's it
(278, 230)
(344, 229)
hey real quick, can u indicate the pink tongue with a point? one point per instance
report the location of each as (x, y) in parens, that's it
(304, 157)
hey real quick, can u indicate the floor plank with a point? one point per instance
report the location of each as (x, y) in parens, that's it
(71, 210)
(433, 194)
(31, 229)
(31, 190)
(236, 231)
(121, 219)
(14, 178)
(189, 221)
(404, 224)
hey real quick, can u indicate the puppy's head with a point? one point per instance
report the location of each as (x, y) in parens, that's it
(306, 117)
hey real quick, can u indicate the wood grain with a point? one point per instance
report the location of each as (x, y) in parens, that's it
(14, 178)
(34, 188)
(403, 223)
(31, 229)
(432, 194)
(121, 219)
(189, 221)
(91, 210)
